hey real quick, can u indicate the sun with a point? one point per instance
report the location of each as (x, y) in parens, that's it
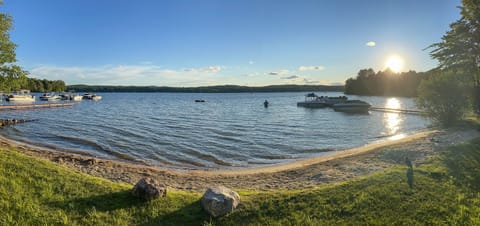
(395, 63)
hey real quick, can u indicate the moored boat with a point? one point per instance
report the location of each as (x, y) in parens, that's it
(352, 106)
(96, 97)
(50, 97)
(21, 96)
(314, 101)
(71, 96)
(90, 96)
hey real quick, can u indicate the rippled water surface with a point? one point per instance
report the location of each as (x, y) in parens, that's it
(228, 130)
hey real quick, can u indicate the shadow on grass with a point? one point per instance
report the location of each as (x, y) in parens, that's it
(190, 214)
(104, 202)
(463, 163)
(166, 211)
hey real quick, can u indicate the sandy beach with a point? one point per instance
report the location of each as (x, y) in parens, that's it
(307, 173)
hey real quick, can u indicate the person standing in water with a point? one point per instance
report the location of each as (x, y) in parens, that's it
(265, 104)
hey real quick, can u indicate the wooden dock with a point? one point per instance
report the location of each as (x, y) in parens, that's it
(34, 106)
(395, 110)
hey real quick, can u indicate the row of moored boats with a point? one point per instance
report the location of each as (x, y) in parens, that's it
(340, 103)
(25, 96)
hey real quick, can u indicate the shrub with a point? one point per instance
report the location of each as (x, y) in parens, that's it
(444, 97)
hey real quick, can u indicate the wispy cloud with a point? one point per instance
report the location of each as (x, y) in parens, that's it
(251, 62)
(141, 74)
(311, 68)
(312, 82)
(209, 69)
(371, 44)
(279, 72)
(291, 77)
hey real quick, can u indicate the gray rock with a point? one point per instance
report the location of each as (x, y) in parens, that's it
(148, 189)
(220, 200)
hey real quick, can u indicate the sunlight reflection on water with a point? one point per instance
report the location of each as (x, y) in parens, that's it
(392, 120)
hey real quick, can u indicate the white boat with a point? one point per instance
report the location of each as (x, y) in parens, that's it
(314, 101)
(71, 96)
(96, 97)
(89, 96)
(77, 97)
(50, 97)
(21, 96)
(352, 106)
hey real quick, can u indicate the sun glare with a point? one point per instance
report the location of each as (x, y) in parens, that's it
(395, 63)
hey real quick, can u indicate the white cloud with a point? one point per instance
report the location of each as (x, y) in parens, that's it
(311, 68)
(209, 69)
(251, 62)
(291, 77)
(312, 82)
(141, 74)
(371, 44)
(279, 72)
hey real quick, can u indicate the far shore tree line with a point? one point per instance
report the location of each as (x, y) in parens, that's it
(385, 83)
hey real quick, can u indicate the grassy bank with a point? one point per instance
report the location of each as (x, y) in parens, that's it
(446, 191)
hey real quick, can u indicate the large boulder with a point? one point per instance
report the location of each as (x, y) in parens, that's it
(220, 200)
(148, 189)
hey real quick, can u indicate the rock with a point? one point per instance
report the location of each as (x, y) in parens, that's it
(148, 189)
(219, 201)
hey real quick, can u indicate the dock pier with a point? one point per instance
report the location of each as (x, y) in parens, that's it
(34, 106)
(395, 110)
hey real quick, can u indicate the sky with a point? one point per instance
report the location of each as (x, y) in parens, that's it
(187, 43)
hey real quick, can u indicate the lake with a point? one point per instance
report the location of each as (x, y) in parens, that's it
(228, 130)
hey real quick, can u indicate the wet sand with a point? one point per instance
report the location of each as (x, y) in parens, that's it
(307, 173)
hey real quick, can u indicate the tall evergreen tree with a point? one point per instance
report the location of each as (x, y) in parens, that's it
(459, 50)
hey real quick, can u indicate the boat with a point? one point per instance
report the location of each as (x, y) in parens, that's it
(199, 100)
(96, 97)
(314, 101)
(50, 97)
(71, 96)
(21, 96)
(352, 106)
(90, 96)
(77, 97)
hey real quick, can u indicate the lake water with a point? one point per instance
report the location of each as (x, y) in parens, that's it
(227, 131)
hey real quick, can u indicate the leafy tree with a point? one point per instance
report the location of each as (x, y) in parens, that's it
(384, 83)
(443, 97)
(459, 50)
(11, 76)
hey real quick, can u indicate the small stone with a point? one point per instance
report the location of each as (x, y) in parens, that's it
(60, 160)
(148, 189)
(220, 200)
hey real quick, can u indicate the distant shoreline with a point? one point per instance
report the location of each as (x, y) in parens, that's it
(208, 89)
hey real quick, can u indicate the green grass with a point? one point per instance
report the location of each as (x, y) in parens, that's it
(446, 191)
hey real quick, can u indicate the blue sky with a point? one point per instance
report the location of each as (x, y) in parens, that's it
(248, 42)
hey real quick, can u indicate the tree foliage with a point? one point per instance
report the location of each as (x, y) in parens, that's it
(44, 85)
(444, 97)
(459, 50)
(384, 83)
(11, 76)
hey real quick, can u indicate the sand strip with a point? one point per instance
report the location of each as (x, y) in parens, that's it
(306, 173)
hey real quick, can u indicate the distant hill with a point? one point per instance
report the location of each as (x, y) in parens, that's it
(207, 89)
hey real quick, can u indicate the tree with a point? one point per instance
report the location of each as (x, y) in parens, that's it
(11, 76)
(443, 97)
(459, 50)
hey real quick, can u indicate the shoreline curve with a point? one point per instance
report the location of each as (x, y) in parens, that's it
(292, 165)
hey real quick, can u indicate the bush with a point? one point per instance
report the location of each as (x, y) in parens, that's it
(444, 97)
